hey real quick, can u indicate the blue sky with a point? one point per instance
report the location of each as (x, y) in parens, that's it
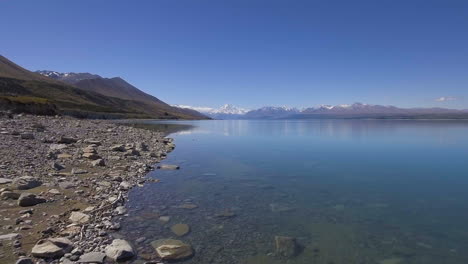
(253, 53)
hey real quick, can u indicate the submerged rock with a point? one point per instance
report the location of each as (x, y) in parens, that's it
(171, 249)
(119, 250)
(168, 167)
(52, 248)
(286, 246)
(180, 229)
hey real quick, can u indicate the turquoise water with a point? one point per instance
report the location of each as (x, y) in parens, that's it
(349, 191)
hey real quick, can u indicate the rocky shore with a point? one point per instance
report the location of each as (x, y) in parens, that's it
(63, 185)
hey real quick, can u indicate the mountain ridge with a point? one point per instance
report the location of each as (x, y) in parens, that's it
(31, 92)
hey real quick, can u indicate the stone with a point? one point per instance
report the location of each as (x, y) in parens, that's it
(57, 146)
(10, 236)
(120, 210)
(171, 249)
(9, 195)
(64, 156)
(57, 166)
(54, 191)
(118, 147)
(79, 218)
(26, 183)
(78, 171)
(98, 162)
(24, 261)
(180, 229)
(91, 156)
(119, 250)
(165, 219)
(168, 167)
(92, 257)
(67, 140)
(93, 142)
(27, 136)
(89, 149)
(286, 246)
(29, 199)
(5, 181)
(67, 185)
(52, 248)
(125, 185)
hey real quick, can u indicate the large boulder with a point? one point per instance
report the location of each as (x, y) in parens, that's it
(26, 183)
(79, 218)
(171, 249)
(9, 195)
(286, 246)
(119, 250)
(29, 199)
(52, 248)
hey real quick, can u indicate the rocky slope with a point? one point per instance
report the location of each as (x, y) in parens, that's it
(25, 91)
(63, 184)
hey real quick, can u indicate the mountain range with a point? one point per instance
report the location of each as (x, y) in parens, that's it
(80, 94)
(356, 110)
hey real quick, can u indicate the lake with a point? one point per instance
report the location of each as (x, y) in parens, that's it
(348, 191)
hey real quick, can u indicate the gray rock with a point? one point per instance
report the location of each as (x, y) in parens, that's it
(5, 181)
(286, 246)
(120, 210)
(67, 140)
(57, 166)
(79, 218)
(78, 171)
(57, 146)
(9, 195)
(125, 185)
(52, 248)
(27, 136)
(10, 236)
(26, 183)
(118, 147)
(92, 257)
(98, 162)
(29, 199)
(91, 156)
(24, 261)
(67, 185)
(119, 250)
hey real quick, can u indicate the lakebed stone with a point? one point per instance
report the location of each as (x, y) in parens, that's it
(286, 246)
(171, 249)
(180, 229)
(79, 218)
(168, 167)
(92, 257)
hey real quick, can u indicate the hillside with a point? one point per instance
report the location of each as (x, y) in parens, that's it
(22, 90)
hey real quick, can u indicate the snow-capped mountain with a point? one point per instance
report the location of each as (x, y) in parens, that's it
(226, 111)
(271, 112)
(356, 110)
(69, 77)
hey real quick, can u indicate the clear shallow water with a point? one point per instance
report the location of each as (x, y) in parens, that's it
(350, 191)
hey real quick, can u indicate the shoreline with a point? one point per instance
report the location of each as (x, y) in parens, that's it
(68, 178)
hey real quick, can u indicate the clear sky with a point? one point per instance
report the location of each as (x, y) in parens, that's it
(253, 53)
